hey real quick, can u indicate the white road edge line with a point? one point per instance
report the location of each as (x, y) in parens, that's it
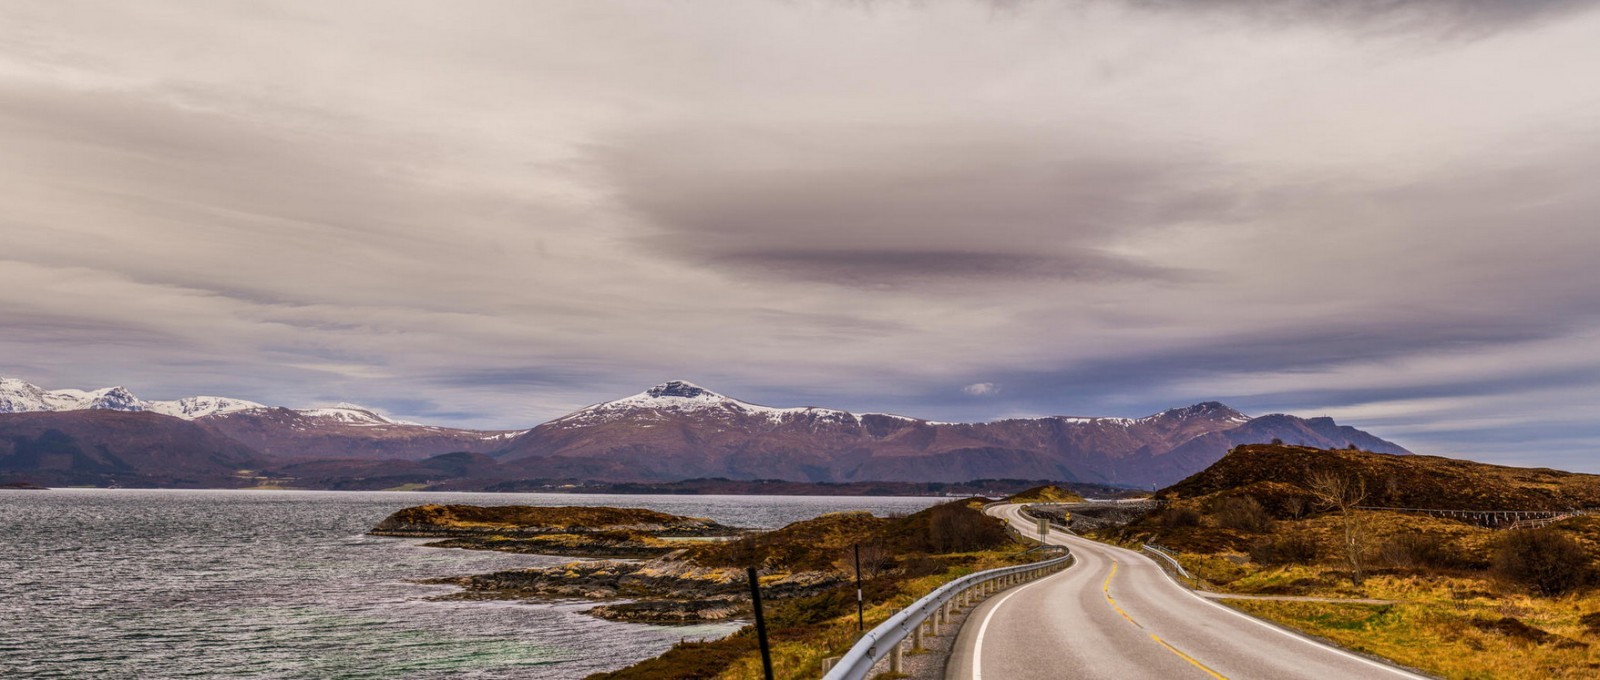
(977, 645)
(1279, 629)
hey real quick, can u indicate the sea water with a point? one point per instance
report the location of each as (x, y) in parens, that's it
(285, 584)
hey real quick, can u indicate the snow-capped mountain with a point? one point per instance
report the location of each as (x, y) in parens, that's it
(680, 397)
(190, 408)
(340, 431)
(673, 431)
(679, 430)
(17, 396)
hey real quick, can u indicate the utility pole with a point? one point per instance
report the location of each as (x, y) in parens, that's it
(761, 621)
(861, 614)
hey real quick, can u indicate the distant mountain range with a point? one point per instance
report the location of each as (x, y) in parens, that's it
(674, 431)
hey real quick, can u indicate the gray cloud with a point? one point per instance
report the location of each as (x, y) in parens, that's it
(1447, 18)
(488, 215)
(856, 204)
(909, 266)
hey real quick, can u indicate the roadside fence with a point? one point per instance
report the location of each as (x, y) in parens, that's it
(926, 616)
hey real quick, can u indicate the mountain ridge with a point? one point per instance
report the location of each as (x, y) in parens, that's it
(679, 430)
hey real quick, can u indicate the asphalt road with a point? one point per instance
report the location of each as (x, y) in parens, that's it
(1116, 614)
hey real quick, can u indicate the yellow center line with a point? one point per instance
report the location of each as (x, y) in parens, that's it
(1112, 600)
(1107, 590)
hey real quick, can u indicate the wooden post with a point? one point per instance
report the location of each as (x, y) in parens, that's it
(894, 658)
(761, 621)
(861, 612)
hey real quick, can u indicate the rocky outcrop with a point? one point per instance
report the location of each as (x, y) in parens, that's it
(526, 520)
(570, 531)
(670, 589)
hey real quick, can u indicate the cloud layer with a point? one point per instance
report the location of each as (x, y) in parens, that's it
(487, 215)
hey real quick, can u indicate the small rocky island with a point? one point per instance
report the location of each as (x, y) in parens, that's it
(685, 570)
(596, 532)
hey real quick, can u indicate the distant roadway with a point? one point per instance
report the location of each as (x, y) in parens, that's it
(1116, 614)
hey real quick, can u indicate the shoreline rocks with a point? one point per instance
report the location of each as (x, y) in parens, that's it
(596, 532)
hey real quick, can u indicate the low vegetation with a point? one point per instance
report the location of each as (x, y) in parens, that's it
(431, 520)
(1048, 493)
(1464, 600)
(807, 574)
(902, 559)
(570, 531)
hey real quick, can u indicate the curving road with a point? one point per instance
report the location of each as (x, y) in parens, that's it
(1116, 614)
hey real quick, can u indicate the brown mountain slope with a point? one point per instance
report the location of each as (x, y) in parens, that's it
(346, 433)
(131, 449)
(1275, 473)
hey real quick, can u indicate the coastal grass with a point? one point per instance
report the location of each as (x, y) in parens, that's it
(800, 657)
(1462, 600)
(905, 558)
(1454, 628)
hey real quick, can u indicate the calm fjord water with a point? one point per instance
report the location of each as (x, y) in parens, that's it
(252, 584)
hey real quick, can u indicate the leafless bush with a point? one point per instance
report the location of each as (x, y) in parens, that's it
(1295, 506)
(1292, 548)
(1179, 518)
(1334, 491)
(1243, 514)
(1418, 551)
(875, 560)
(1545, 561)
(959, 529)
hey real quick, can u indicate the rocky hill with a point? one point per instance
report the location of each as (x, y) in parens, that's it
(1272, 474)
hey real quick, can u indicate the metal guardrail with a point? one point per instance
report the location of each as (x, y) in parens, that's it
(885, 640)
(1168, 557)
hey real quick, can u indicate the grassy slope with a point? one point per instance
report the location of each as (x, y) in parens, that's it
(1046, 494)
(1452, 616)
(928, 548)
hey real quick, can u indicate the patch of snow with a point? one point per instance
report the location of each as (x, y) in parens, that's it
(503, 435)
(190, 408)
(17, 396)
(347, 413)
(683, 397)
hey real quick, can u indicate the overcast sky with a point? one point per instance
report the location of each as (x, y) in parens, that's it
(490, 213)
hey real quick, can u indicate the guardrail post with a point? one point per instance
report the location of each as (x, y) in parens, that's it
(916, 638)
(894, 658)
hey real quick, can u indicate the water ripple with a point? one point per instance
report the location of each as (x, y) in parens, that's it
(141, 584)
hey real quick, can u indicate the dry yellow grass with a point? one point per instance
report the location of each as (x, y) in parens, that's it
(1455, 629)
